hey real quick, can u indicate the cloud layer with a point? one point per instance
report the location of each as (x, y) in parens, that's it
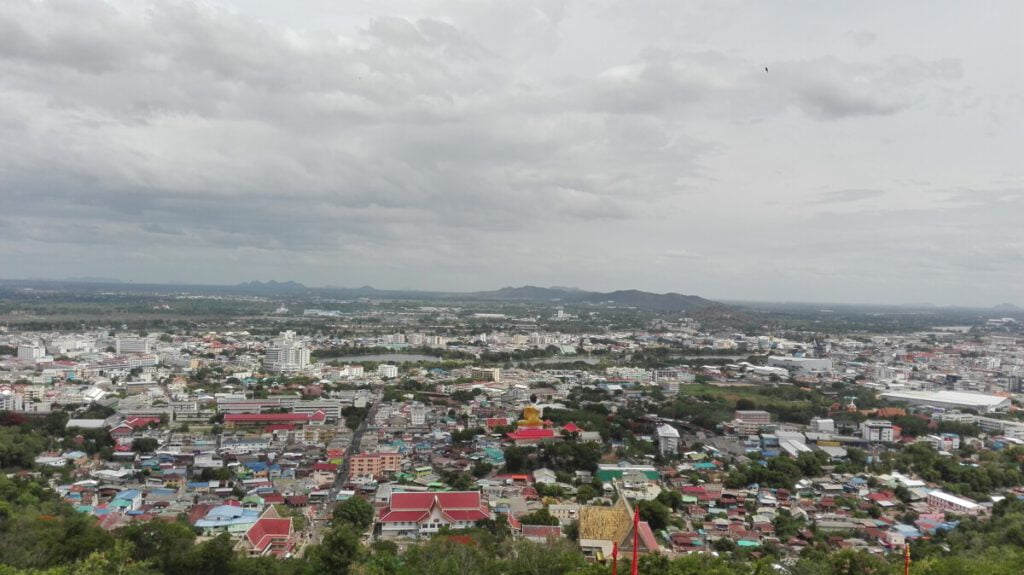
(463, 145)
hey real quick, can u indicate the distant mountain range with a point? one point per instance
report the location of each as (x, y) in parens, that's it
(547, 295)
(623, 298)
(554, 295)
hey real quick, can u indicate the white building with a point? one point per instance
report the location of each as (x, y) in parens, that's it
(877, 430)
(124, 345)
(980, 402)
(947, 502)
(10, 401)
(30, 352)
(418, 415)
(668, 440)
(822, 425)
(801, 365)
(387, 370)
(286, 354)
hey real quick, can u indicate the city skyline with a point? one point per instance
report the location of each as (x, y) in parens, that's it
(785, 152)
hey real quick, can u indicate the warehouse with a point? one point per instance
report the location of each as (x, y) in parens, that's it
(980, 402)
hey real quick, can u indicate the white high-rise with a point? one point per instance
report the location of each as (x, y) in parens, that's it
(668, 440)
(132, 345)
(30, 352)
(286, 354)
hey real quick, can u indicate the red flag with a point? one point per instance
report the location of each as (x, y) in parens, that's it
(635, 567)
(615, 558)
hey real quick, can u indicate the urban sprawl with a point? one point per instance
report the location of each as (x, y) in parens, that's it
(682, 434)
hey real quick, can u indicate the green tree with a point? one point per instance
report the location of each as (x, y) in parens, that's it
(145, 444)
(354, 511)
(165, 544)
(539, 517)
(654, 513)
(338, 551)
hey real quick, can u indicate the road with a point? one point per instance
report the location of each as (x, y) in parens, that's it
(342, 475)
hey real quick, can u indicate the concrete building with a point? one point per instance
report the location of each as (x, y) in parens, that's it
(486, 374)
(822, 425)
(753, 416)
(286, 354)
(123, 345)
(418, 415)
(668, 440)
(30, 352)
(876, 430)
(947, 502)
(387, 370)
(801, 365)
(374, 464)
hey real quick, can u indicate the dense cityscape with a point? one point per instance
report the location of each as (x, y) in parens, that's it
(515, 431)
(511, 287)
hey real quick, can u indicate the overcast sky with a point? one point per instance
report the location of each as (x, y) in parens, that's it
(466, 145)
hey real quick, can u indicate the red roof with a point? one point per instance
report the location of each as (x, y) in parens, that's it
(267, 530)
(532, 434)
(466, 514)
(260, 417)
(324, 466)
(571, 427)
(493, 422)
(137, 422)
(455, 505)
(402, 516)
(538, 531)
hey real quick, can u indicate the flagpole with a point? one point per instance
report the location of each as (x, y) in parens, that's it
(635, 567)
(906, 558)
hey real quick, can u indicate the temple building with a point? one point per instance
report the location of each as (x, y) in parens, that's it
(600, 528)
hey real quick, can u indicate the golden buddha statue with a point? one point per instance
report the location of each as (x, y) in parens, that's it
(531, 418)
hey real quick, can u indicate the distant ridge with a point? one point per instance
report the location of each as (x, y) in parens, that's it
(624, 298)
(1007, 307)
(547, 295)
(272, 287)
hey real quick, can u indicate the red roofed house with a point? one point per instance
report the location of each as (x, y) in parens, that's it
(571, 428)
(270, 535)
(531, 436)
(419, 514)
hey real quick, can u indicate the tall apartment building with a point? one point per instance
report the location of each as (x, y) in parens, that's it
(418, 415)
(30, 352)
(132, 345)
(286, 354)
(387, 370)
(668, 440)
(486, 374)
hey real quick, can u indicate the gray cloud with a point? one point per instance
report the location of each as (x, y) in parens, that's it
(466, 144)
(844, 196)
